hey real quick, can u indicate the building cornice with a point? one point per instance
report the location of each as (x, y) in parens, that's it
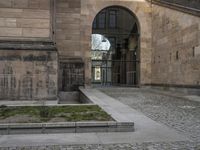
(181, 8)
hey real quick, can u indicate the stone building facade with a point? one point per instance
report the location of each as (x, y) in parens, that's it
(44, 42)
(176, 47)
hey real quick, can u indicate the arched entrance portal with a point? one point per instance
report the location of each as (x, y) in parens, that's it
(115, 47)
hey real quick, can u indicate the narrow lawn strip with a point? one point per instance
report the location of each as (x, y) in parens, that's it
(39, 114)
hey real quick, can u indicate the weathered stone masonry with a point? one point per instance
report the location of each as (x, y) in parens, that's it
(169, 44)
(176, 47)
(22, 19)
(28, 74)
(28, 62)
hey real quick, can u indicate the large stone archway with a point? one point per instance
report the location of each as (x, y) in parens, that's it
(115, 48)
(142, 11)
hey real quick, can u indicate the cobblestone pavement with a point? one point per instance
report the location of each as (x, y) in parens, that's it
(144, 146)
(178, 113)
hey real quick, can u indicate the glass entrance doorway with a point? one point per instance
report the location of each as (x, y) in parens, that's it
(115, 48)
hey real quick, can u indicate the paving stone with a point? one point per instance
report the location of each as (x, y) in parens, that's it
(182, 145)
(178, 113)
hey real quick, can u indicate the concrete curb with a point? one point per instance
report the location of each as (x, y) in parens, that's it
(66, 127)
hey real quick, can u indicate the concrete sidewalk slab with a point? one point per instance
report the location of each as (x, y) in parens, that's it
(144, 126)
(79, 138)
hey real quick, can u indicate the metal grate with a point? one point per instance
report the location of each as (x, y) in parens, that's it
(114, 72)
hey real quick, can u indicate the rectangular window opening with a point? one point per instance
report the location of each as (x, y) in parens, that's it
(95, 23)
(177, 55)
(112, 19)
(102, 20)
(193, 51)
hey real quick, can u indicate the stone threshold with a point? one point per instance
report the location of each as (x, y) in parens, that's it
(65, 127)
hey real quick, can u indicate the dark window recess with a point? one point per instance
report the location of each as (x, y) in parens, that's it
(95, 23)
(177, 55)
(193, 51)
(135, 28)
(117, 56)
(126, 43)
(113, 19)
(102, 20)
(112, 41)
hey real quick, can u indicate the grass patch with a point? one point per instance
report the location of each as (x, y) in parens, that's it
(36, 114)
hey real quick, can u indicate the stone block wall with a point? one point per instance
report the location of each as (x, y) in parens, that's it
(28, 65)
(67, 18)
(176, 47)
(28, 75)
(169, 43)
(29, 19)
(141, 10)
(73, 29)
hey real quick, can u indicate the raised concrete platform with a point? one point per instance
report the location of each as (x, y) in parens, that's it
(61, 127)
(65, 127)
(144, 126)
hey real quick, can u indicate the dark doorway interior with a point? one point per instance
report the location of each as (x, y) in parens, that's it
(115, 47)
